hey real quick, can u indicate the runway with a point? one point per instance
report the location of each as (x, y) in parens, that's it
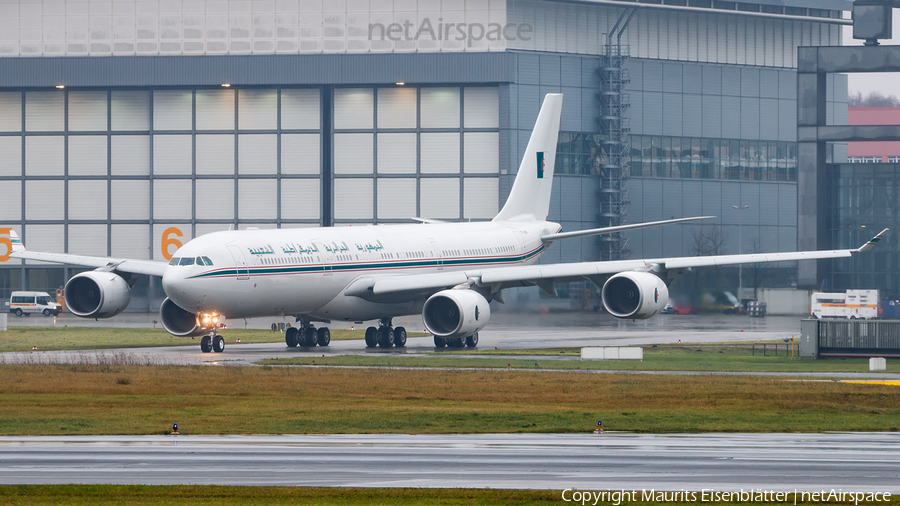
(611, 461)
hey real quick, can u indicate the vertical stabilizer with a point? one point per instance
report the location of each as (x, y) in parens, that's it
(529, 199)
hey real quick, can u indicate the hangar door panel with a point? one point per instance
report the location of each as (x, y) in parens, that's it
(440, 198)
(300, 199)
(396, 198)
(130, 241)
(87, 155)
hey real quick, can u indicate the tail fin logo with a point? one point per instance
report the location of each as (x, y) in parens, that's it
(540, 165)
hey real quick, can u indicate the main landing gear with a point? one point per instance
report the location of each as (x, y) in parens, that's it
(307, 336)
(213, 342)
(456, 342)
(385, 335)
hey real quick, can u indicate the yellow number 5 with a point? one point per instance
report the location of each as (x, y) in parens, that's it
(6, 242)
(168, 241)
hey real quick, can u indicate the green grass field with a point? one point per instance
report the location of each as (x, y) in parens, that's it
(90, 338)
(661, 358)
(108, 399)
(140, 495)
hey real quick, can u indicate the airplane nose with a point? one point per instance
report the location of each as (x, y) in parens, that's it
(180, 288)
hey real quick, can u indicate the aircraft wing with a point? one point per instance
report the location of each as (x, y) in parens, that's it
(545, 275)
(148, 267)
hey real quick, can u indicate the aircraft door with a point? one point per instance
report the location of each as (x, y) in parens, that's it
(326, 255)
(438, 254)
(240, 263)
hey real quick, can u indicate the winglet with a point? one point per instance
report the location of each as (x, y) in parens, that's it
(16, 242)
(873, 241)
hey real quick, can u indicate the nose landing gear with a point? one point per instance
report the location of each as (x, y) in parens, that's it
(213, 342)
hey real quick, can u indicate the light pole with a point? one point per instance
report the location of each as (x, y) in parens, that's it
(740, 248)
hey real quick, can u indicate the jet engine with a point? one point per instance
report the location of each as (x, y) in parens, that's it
(179, 322)
(456, 313)
(637, 295)
(96, 294)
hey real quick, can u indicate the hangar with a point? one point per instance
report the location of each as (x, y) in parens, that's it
(129, 127)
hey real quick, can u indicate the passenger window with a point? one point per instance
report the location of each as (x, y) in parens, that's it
(186, 261)
(174, 261)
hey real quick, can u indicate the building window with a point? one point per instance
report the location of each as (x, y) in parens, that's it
(684, 157)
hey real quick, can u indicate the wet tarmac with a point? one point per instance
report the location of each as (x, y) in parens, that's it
(866, 462)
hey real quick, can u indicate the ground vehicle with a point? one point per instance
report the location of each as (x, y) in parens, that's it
(854, 304)
(26, 303)
(720, 302)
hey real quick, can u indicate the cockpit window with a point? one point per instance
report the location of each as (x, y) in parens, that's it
(200, 261)
(208, 261)
(186, 261)
(174, 261)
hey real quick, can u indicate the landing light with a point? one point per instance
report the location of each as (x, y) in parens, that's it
(209, 319)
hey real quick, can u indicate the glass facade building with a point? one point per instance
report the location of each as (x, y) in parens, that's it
(862, 200)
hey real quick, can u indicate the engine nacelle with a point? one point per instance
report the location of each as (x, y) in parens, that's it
(96, 294)
(637, 295)
(179, 322)
(456, 313)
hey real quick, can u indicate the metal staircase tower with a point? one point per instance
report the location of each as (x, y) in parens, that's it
(614, 146)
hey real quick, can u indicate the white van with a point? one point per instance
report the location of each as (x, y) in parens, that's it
(25, 303)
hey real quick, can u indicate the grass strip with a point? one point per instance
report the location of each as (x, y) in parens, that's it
(90, 338)
(106, 399)
(143, 495)
(662, 358)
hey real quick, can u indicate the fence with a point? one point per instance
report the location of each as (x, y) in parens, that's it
(845, 338)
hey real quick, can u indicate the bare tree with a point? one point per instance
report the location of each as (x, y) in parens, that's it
(874, 99)
(705, 241)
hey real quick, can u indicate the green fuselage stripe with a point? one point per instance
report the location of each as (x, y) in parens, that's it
(294, 269)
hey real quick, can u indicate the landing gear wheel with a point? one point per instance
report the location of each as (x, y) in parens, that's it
(472, 341)
(206, 344)
(323, 336)
(218, 344)
(439, 342)
(290, 337)
(309, 337)
(399, 337)
(47, 312)
(386, 337)
(18, 312)
(457, 342)
(371, 337)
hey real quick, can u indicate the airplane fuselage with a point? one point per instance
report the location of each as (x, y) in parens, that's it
(306, 271)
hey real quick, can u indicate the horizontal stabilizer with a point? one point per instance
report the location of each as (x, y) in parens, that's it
(620, 228)
(16, 242)
(427, 220)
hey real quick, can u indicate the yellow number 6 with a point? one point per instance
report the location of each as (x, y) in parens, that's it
(6, 241)
(167, 241)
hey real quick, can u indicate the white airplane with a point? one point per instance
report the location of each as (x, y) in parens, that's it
(448, 272)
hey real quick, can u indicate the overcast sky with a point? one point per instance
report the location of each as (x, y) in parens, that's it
(887, 83)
